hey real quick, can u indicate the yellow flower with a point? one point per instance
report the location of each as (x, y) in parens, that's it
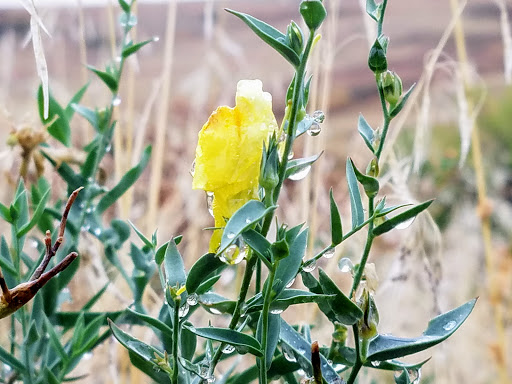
(228, 152)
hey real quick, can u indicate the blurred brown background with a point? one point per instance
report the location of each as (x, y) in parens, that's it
(174, 84)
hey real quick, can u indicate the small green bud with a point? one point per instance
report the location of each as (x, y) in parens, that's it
(313, 12)
(373, 168)
(269, 167)
(370, 320)
(391, 86)
(280, 249)
(340, 333)
(377, 59)
(295, 37)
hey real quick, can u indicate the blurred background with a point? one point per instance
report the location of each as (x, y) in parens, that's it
(452, 142)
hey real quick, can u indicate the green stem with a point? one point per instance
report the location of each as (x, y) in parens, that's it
(264, 327)
(381, 20)
(175, 339)
(387, 120)
(358, 364)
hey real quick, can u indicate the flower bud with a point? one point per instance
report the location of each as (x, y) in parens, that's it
(295, 38)
(377, 59)
(313, 12)
(373, 168)
(368, 323)
(269, 168)
(391, 86)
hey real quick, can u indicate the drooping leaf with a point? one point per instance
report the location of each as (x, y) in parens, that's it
(250, 213)
(59, 127)
(385, 347)
(356, 205)
(300, 165)
(201, 270)
(410, 214)
(238, 339)
(269, 35)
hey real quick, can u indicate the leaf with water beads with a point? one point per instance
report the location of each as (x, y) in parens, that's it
(201, 270)
(231, 337)
(151, 321)
(286, 298)
(299, 168)
(385, 347)
(249, 214)
(411, 213)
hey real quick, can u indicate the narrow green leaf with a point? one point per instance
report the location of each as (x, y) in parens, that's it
(304, 125)
(286, 298)
(125, 6)
(5, 213)
(36, 216)
(385, 347)
(107, 78)
(370, 184)
(273, 331)
(69, 111)
(50, 378)
(250, 213)
(238, 339)
(59, 127)
(374, 10)
(13, 362)
(296, 166)
(69, 319)
(145, 240)
(201, 270)
(188, 341)
(95, 298)
(216, 303)
(336, 226)
(356, 205)
(132, 48)
(90, 115)
(395, 111)
(345, 310)
(207, 284)
(151, 321)
(259, 244)
(174, 267)
(125, 183)
(269, 35)
(6, 261)
(366, 132)
(289, 267)
(410, 214)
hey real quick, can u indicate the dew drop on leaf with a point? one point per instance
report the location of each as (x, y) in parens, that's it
(290, 283)
(345, 265)
(449, 325)
(314, 129)
(300, 173)
(228, 349)
(192, 299)
(405, 224)
(183, 311)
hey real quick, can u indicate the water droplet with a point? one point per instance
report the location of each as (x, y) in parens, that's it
(34, 244)
(210, 379)
(228, 349)
(242, 349)
(192, 299)
(248, 220)
(156, 38)
(7, 368)
(290, 155)
(183, 311)
(288, 353)
(290, 283)
(309, 266)
(276, 311)
(449, 325)
(318, 116)
(97, 231)
(415, 376)
(215, 311)
(108, 148)
(209, 202)
(338, 367)
(405, 224)
(345, 265)
(85, 228)
(230, 235)
(116, 101)
(193, 169)
(314, 129)
(87, 356)
(375, 363)
(300, 173)
(232, 255)
(282, 137)
(329, 253)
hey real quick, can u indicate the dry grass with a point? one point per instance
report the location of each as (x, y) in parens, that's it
(174, 85)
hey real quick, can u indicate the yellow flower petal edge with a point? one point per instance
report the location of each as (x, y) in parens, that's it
(228, 152)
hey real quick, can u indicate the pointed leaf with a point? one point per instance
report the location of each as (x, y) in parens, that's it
(300, 165)
(336, 227)
(395, 111)
(269, 35)
(356, 205)
(250, 213)
(370, 184)
(36, 216)
(259, 244)
(385, 347)
(230, 337)
(366, 132)
(374, 10)
(151, 321)
(201, 270)
(410, 214)
(10, 360)
(289, 267)
(69, 111)
(273, 331)
(174, 267)
(107, 78)
(132, 48)
(87, 113)
(125, 183)
(59, 127)
(145, 240)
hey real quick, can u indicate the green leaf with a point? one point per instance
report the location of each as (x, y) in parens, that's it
(109, 80)
(6, 261)
(36, 216)
(280, 368)
(289, 267)
(286, 298)
(201, 270)
(13, 362)
(366, 132)
(59, 127)
(356, 205)
(374, 10)
(395, 111)
(273, 331)
(304, 125)
(410, 214)
(132, 48)
(336, 226)
(125, 6)
(216, 303)
(69, 111)
(395, 365)
(151, 321)
(269, 35)
(302, 352)
(5, 213)
(207, 284)
(385, 347)
(249, 214)
(174, 267)
(259, 244)
(69, 319)
(300, 165)
(370, 184)
(87, 113)
(125, 183)
(50, 378)
(148, 242)
(345, 310)
(238, 339)
(95, 298)
(188, 341)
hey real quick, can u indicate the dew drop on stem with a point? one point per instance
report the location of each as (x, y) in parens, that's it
(309, 266)
(192, 299)
(345, 265)
(183, 311)
(329, 253)
(116, 101)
